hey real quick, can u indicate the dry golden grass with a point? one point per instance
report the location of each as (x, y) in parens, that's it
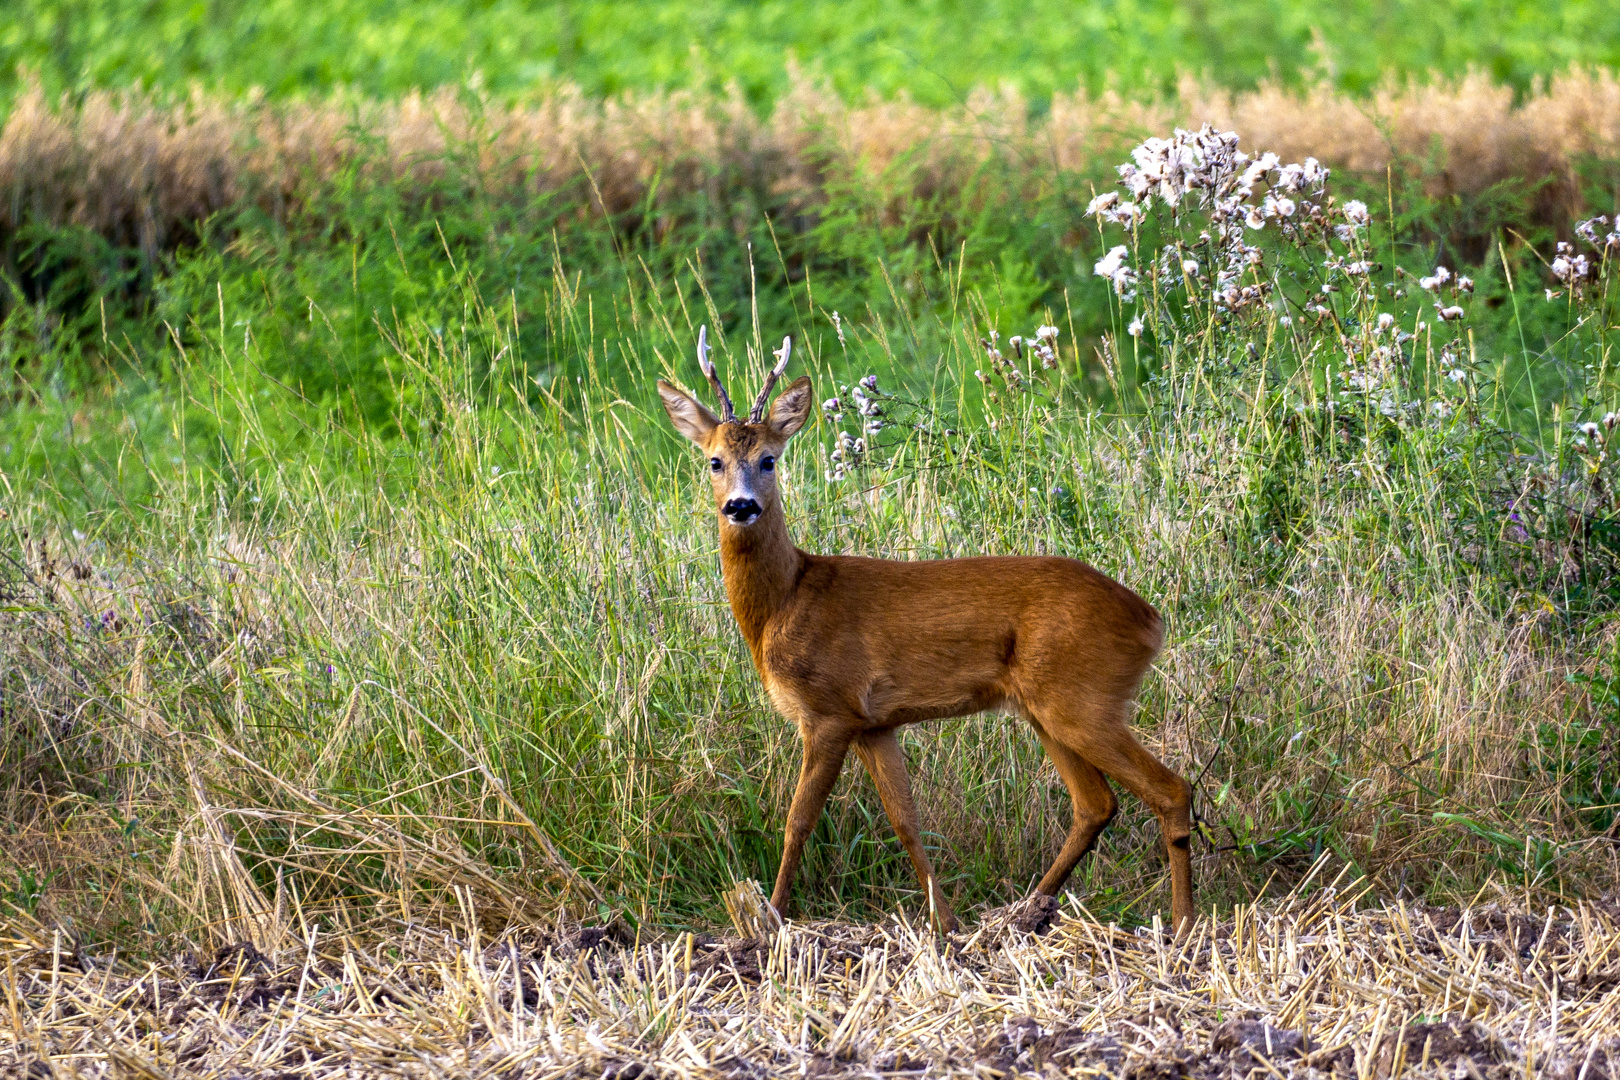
(146, 170)
(1311, 986)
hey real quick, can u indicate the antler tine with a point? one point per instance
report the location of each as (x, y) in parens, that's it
(730, 416)
(782, 355)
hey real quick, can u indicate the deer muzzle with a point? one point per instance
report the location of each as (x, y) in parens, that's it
(742, 511)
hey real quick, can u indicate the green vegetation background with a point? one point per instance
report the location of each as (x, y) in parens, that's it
(934, 50)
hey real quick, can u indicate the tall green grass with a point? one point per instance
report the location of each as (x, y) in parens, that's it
(381, 560)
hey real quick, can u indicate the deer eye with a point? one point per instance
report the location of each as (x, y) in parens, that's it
(715, 464)
(766, 464)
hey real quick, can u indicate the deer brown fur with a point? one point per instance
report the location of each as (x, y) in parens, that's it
(852, 648)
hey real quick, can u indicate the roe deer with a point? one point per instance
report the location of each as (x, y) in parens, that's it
(851, 648)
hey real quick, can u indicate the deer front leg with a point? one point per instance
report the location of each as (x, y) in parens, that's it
(880, 752)
(824, 752)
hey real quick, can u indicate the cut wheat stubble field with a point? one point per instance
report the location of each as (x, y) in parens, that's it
(1318, 986)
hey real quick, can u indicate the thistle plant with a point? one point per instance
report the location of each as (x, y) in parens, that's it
(1209, 281)
(872, 426)
(1247, 288)
(1590, 488)
(1031, 357)
(1247, 263)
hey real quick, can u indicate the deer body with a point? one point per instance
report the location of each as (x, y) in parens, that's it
(852, 648)
(892, 643)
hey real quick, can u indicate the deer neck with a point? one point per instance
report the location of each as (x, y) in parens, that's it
(761, 567)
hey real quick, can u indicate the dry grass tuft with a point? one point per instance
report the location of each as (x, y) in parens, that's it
(147, 171)
(1307, 986)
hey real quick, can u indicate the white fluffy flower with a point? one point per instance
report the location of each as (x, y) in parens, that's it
(1571, 270)
(1102, 202)
(1111, 263)
(1355, 212)
(1135, 328)
(1279, 206)
(1440, 276)
(1112, 266)
(1449, 314)
(1046, 333)
(846, 450)
(1257, 169)
(1137, 181)
(1385, 321)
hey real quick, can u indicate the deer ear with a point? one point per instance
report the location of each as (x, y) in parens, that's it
(792, 407)
(689, 416)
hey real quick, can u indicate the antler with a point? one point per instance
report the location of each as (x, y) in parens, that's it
(729, 417)
(758, 412)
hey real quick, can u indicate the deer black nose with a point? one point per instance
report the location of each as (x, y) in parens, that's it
(742, 511)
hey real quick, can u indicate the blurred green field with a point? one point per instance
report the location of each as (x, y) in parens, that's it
(933, 50)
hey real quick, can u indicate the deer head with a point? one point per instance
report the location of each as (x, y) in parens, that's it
(742, 454)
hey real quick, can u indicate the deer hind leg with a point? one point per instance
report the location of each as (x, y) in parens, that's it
(880, 752)
(824, 751)
(1094, 808)
(1102, 737)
